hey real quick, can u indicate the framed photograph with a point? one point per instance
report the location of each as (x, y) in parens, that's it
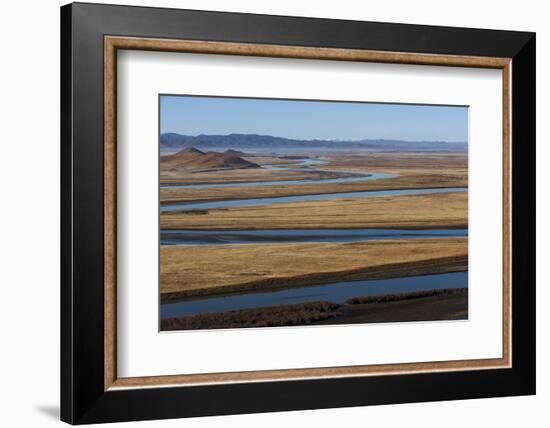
(266, 213)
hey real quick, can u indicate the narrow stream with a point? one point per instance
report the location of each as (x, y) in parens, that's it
(219, 237)
(300, 198)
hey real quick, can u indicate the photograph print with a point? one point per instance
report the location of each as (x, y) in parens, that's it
(279, 212)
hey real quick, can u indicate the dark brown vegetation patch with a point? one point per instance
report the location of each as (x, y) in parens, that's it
(360, 300)
(273, 316)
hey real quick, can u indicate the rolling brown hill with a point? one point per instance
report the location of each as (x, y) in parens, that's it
(192, 158)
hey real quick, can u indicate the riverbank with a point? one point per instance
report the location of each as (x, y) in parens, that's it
(202, 270)
(242, 175)
(426, 305)
(411, 181)
(439, 307)
(433, 210)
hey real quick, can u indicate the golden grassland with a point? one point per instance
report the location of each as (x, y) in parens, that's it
(409, 181)
(199, 270)
(436, 164)
(439, 164)
(400, 211)
(400, 160)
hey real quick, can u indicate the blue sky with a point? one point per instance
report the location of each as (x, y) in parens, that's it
(191, 115)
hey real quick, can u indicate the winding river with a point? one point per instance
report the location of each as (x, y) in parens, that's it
(300, 198)
(305, 165)
(335, 292)
(270, 236)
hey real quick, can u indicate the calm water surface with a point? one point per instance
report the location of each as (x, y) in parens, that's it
(358, 178)
(300, 198)
(335, 292)
(218, 237)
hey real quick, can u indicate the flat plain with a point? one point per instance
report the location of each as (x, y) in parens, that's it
(191, 272)
(434, 210)
(194, 270)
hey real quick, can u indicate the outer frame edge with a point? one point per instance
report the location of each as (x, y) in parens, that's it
(66, 306)
(524, 214)
(104, 409)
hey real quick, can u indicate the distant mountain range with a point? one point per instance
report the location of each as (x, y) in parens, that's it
(254, 142)
(192, 158)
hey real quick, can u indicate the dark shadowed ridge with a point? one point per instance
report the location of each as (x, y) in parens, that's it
(190, 150)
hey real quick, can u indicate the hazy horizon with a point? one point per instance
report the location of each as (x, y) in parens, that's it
(312, 120)
(318, 139)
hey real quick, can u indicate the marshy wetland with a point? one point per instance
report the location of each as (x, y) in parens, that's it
(264, 238)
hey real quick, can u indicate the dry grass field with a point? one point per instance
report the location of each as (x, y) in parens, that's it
(399, 161)
(407, 181)
(453, 166)
(437, 210)
(199, 270)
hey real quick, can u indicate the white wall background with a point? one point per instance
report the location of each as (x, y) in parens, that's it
(29, 215)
